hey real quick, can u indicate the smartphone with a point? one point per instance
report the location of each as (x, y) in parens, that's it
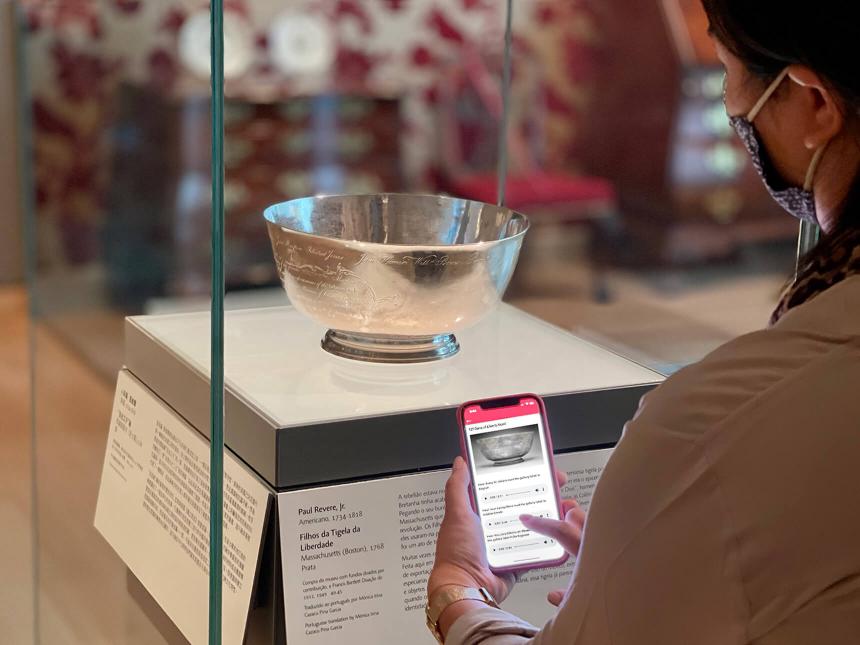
(507, 444)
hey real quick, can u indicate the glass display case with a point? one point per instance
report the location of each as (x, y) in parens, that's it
(161, 308)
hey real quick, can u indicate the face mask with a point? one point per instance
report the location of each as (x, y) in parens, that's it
(800, 202)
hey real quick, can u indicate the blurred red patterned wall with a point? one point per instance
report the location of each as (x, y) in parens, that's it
(79, 51)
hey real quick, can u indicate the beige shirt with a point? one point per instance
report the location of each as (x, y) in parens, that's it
(729, 513)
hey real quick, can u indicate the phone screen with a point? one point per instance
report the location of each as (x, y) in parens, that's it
(511, 475)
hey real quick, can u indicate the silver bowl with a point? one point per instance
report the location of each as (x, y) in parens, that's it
(503, 448)
(394, 276)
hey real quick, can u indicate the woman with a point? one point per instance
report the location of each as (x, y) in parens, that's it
(730, 510)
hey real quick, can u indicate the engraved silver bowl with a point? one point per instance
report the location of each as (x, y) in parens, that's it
(394, 276)
(506, 447)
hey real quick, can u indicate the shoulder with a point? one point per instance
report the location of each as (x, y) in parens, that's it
(698, 398)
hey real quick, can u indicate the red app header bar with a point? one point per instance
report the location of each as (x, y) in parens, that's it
(476, 414)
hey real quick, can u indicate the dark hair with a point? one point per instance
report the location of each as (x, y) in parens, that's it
(768, 35)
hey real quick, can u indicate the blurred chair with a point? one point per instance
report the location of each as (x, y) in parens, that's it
(470, 117)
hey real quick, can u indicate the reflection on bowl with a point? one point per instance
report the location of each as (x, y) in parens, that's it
(506, 447)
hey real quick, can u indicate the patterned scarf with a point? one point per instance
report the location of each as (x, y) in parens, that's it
(839, 260)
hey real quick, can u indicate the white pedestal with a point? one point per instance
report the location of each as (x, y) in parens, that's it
(300, 416)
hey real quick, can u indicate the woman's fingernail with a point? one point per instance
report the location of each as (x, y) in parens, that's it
(526, 517)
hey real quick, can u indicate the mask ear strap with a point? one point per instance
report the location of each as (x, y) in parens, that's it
(766, 96)
(813, 168)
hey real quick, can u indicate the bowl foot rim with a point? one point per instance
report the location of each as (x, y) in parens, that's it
(508, 462)
(378, 348)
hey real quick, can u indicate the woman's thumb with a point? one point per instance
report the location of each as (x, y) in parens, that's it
(457, 487)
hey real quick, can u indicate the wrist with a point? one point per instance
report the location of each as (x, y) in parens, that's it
(454, 611)
(449, 602)
(450, 576)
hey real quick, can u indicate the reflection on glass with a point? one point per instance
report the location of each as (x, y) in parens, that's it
(650, 232)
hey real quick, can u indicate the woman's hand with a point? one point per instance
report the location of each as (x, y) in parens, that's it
(568, 533)
(460, 555)
(556, 597)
